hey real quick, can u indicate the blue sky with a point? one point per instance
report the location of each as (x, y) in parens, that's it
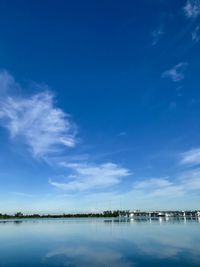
(99, 105)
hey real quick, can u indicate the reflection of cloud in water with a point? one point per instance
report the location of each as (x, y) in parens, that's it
(168, 242)
(84, 256)
(164, 247)
(155, 242)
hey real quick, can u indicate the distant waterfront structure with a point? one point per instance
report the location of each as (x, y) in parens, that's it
(166, 214)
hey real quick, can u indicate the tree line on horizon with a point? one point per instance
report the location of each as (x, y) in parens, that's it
(107, 213)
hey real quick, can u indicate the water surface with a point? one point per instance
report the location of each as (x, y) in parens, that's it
(99, 242)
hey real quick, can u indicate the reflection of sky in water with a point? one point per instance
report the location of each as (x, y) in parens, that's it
(99, 243)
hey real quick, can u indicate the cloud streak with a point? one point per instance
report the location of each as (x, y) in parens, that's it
(191, 179)
(156, 187)
(192, 8)
(7, 82)
(191, 157)
(36, 120)
(196, 34)
(92, 176)
(156, 35)
(176, 74)
(184, 184)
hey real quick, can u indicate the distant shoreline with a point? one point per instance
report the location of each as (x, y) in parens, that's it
(108, 214)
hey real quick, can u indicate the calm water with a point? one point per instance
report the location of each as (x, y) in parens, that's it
(86, 242)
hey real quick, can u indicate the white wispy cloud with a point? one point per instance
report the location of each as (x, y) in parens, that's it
(191, 179)
(182, 184)
(176, 73)
(153, 182)
(36, 120)
(92, 176)
(159, 187)
(191, 157)
(192, 8)
(196, 34)
(7, 82)
(156, 35)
